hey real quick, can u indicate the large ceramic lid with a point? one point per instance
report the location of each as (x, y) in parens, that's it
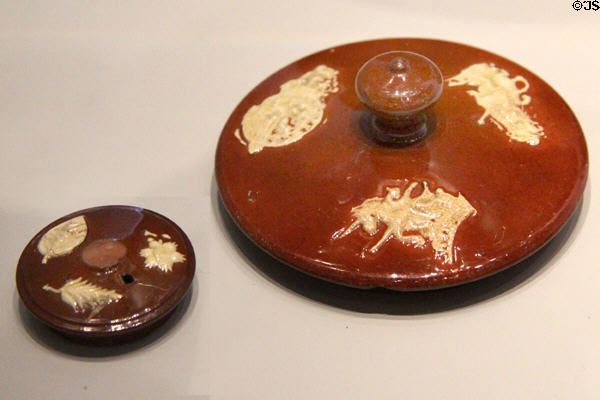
(106, 272)
(449, 164)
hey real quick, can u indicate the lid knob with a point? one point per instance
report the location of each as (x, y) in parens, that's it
(399, 88)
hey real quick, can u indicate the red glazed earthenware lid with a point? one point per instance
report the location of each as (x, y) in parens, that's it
(106, 272)
(401, 163)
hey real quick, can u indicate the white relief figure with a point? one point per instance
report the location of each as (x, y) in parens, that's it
(413, 220)
(502, 100)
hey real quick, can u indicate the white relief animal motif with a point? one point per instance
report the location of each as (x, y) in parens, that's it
(501, 99)
(413, 220)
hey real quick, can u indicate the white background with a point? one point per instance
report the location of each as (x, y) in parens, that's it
(122, 102)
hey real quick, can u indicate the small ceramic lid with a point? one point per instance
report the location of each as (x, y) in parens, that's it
(106, 272)
(401, 163)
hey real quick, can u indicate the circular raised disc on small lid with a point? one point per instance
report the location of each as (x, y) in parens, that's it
(398, 85)
(103, 253)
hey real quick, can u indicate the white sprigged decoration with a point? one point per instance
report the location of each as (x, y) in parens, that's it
(63, 238)
(81, 295)
(161, 255)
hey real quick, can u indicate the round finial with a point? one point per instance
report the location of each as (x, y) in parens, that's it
(398, 87)
(398, 65)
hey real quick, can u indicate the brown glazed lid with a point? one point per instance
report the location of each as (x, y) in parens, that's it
(106, 272)
(439, 166)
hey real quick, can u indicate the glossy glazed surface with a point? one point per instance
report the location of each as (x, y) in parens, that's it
(106, 265)
(293, 200)
(398, 83)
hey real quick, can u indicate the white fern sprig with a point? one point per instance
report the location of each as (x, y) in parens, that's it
(81, 295)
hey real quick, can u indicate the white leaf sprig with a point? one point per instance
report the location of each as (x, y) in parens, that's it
(63, 238)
